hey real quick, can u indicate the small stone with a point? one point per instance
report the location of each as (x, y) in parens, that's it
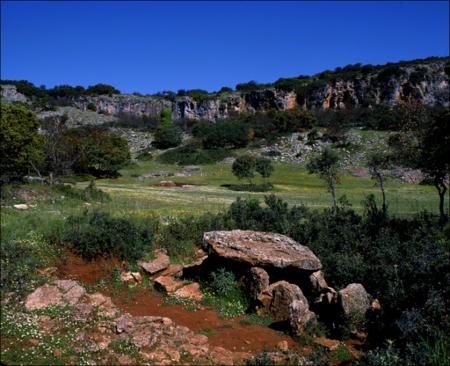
(283, 346)
(329, 344)
(34, 342)
(57, 352)
(21, 206)
(191, 291)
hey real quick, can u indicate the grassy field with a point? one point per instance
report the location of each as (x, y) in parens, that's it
(135, 196)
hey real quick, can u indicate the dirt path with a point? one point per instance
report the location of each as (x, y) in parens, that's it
(227, 333)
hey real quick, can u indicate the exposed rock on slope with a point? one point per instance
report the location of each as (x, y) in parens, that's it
(426, 83)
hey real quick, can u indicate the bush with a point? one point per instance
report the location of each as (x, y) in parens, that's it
(91, 107)
(167, 137)
(101, 89)
(224, 133)
(192, 155)
(96, 234)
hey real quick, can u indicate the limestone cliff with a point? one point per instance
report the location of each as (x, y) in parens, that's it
(423, 81)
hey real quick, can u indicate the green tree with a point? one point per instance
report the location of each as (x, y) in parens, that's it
(21, 146)
(244, 167)
(166, 135)
(326, 165)
(378, 161)
(102, 89)
(264, 167)
(434, 154)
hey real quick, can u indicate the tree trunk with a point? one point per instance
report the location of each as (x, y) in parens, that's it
(333, 194)
(383, 193)
(441, 188)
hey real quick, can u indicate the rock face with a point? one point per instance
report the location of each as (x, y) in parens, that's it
(266, 250)
(353, 302)
(9, 94)
(425, 83)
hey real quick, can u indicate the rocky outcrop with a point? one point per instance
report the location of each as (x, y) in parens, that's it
(260, 249)
(60, 292)
(425, 83)
(9, 94)
(158, 340)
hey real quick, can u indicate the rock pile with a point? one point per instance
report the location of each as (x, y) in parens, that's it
(283, 279)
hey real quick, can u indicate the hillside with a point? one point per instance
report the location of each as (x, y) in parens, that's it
(424, 81)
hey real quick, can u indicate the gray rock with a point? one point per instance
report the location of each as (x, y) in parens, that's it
(260, 249)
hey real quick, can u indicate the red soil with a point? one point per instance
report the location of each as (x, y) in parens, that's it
(227, 333)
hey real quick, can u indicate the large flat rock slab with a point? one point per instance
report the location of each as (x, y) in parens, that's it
(261, 249)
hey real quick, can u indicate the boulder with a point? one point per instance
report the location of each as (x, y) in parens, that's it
(353, 303)
(191, 291)
(132, 278)
(168, 284)
(317, 282)
(300, 316)
(161, 261)
(283, 294)
(255, 282)
(60, 292)
(260, 249)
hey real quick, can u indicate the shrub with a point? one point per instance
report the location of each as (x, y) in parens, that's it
(192, 155)
(96, 234)
(224, 133)
(101, 89)
(222, 281)
(91, 107)
(167, 137)
(264, 167)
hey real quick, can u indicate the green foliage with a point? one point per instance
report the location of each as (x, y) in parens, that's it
(326, 165)
(223, 133)
(222, 281)
(223, 293)
(267, 124)
(167, 137)
(20, 258)
(99, 152)
(193, 155)
(244, 167)
(91, 107)
(21, 147)
(250, 86)
(97, 234)
(255, 319)
(101, 89)
(166, 118)
(264, 167)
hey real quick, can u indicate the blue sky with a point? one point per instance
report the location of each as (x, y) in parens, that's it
(154, 46)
